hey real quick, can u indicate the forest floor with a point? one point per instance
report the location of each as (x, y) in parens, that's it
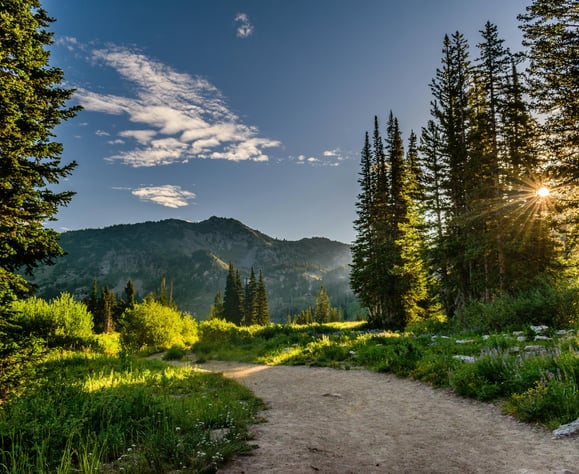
(337, 421)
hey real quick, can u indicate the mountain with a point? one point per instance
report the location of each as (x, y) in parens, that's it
(194, 257)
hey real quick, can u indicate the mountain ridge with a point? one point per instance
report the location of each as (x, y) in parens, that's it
(194, 257)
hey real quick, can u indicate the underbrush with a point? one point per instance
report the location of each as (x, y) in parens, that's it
(534, 372)
(89, 413)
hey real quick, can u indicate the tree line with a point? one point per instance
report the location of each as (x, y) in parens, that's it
(321, 312)
(244, 305)
(482, 204)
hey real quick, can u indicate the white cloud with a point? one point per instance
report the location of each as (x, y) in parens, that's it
(330, 158)
(102, 133)
(167, 195)
(69, 42)
(244, 26)
(179, 117)
(144, 137)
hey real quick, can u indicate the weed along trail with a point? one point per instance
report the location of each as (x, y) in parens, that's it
(337, 421)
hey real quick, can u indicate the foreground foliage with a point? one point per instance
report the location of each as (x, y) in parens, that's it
(535, 373)
(90, 413)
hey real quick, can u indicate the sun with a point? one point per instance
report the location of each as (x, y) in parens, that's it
(543, 192)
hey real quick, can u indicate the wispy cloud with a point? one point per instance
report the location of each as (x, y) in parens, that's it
(179, 117)
(328, 158)
(244, 26)
(168, 195)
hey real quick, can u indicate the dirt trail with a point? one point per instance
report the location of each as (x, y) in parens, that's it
(331, 421)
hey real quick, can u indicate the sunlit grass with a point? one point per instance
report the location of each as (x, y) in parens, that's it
(502, 366)
(95, 413)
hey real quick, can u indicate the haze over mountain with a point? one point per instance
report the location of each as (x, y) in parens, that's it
(195, 258)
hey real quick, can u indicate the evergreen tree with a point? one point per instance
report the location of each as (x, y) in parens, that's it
(217, 307)
(434, 171)
(551, 33)
(92, 301)
(263, 316)
(251, 313)
(416, 185)
(129, 295)
(32, 104)
(362, 266)
(233, 310)
(388, 272)
(322, 308)
(451, 112)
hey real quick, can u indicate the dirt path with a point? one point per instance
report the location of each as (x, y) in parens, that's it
(330, 421)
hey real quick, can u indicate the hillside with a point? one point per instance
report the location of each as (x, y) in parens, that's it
(194, 257)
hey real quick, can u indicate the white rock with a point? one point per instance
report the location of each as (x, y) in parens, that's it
(464, 341)
(219, 434)
(534, 348)
(521, 338)
(539, 329)
(469, 359)
(518, 333)
(567, 430)
(542, 338)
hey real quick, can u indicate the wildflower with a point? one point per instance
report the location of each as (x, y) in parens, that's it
(178, 428)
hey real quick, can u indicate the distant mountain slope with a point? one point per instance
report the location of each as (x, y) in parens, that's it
(195, 257)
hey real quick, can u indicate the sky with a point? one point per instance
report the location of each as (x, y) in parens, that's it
(249, 109)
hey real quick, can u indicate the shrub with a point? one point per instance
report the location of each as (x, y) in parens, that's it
(174, 353)
(219, 331)
(549, 303)
(61, 322)
(150, 325)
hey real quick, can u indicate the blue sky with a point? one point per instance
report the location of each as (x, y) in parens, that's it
(251, 109)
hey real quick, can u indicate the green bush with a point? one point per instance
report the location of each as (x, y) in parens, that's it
(150, 325)
(551, 401)
(61, 322)
(175, 353)
(219, 331)
(549, 303)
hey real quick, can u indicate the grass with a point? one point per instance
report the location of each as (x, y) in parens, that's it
(96, 413)
(533, 374)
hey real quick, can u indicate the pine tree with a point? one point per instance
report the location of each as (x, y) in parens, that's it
(233, 310)
(251, 313)
(322, 308)
(435, 172)
(263, 316)
(388, 271)
(130, 295)
(362, 265)
(32, 103)
(551, 33)
(92, 301)
(217, 307)
(451, 112)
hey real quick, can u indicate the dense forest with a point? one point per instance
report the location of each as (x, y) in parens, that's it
(482, 204)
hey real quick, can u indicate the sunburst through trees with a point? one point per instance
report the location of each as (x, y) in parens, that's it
(487, 221)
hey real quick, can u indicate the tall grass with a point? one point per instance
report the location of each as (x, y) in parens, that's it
(92, 412)
(536, 380)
